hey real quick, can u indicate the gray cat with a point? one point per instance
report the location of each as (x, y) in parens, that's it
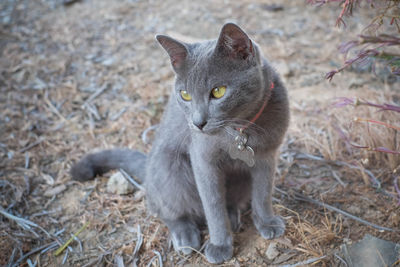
(216, 146)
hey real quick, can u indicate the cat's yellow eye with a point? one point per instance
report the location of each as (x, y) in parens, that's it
(185, 95)
(218, 92)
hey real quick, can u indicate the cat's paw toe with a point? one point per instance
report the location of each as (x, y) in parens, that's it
(218, 254)
(271, 228)
(186, 241)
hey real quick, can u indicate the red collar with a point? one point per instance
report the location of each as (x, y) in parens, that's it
(253, 120)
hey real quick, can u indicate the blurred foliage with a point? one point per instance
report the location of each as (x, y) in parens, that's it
(381, 38)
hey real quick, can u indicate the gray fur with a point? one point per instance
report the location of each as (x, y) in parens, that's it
(190, 178)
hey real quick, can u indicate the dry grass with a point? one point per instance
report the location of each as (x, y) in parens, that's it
(336, 135)
(312, 238)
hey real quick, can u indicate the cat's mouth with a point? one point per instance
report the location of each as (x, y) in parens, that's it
(207, 129)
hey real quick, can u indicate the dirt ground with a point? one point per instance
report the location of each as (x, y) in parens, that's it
(90, 75)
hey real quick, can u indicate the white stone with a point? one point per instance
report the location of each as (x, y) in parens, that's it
(117, 184)
(272, 252)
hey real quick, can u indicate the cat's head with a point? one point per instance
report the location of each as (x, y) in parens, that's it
(218, 83)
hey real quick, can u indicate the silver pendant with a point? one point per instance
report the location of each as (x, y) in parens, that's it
(239, 150)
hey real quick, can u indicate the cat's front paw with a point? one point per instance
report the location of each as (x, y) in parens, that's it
(218, 254)
(271, 227)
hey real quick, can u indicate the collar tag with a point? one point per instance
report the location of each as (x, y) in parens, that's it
(239, 150)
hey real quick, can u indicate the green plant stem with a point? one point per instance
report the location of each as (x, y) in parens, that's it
(61, 249)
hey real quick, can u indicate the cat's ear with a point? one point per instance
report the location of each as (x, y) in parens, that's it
(234, 42)
(175, 49)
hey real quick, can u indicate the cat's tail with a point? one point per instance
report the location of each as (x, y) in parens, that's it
(131, 161)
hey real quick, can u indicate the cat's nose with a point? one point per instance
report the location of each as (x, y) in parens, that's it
(200, 125)
(199, 120)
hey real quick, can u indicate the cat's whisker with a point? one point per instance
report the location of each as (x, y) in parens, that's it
(251, 128)
(226, 129)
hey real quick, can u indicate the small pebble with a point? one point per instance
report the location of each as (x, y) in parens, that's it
(117, 184)
(54, 191)
(272, 252)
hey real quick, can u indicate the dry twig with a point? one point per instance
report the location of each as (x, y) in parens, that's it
(33, 251)
(139, 243)
(22, 150)
(24, 223)
(302, 263)
(131, 180)
(299, 196)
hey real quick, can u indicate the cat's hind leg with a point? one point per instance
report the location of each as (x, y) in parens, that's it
(238, 184)
(185, 235)
(234, 218)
